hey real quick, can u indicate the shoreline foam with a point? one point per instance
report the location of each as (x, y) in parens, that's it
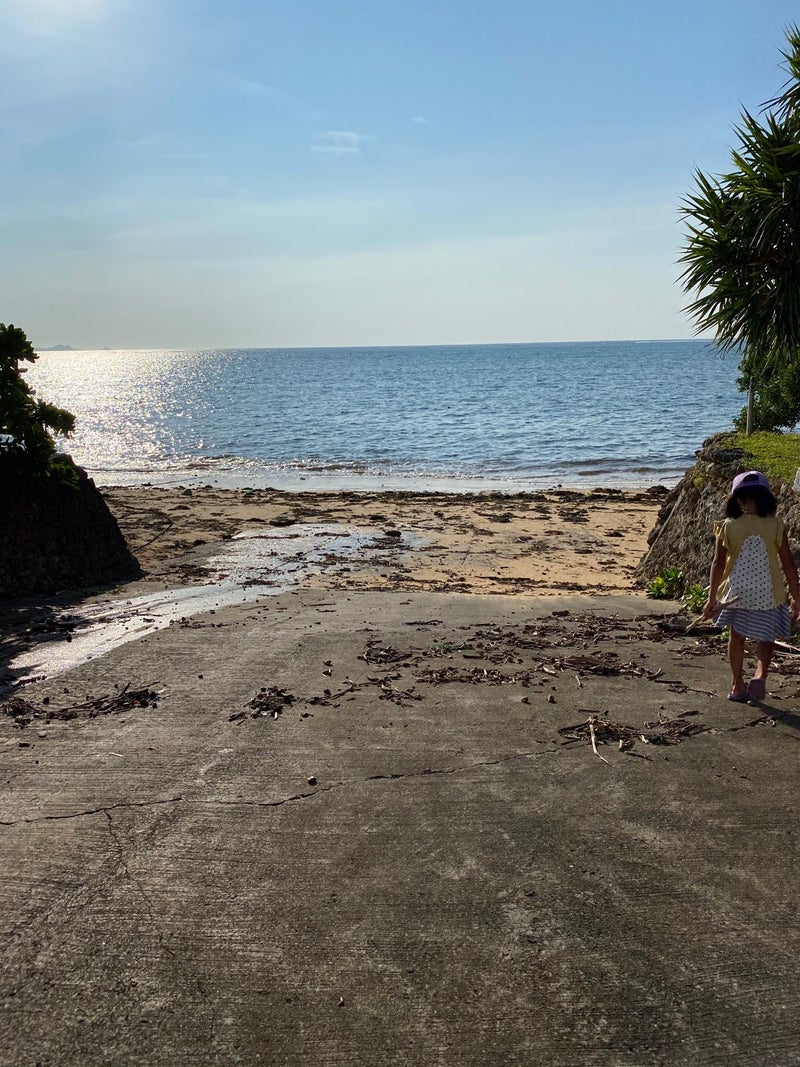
(343, 480)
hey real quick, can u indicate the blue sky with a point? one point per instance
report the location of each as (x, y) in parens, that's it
(189, 173)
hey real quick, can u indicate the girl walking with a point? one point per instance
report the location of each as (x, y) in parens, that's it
(751, 561)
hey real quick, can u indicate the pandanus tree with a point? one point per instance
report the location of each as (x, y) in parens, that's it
(742, 255)
(27, 424)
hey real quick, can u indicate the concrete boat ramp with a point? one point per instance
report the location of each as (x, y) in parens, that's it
(371, 829)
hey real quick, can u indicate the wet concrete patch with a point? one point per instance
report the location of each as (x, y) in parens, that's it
(257, 563)
(285, 556)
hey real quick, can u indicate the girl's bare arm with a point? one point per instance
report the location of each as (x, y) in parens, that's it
(790, 573)
(717, 567)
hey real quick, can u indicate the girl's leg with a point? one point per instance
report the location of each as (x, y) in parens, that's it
(764, 652)
(736, 660)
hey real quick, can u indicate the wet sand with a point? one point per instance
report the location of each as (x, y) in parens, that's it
(545, 543)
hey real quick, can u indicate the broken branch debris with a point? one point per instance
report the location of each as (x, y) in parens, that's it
(24, 712)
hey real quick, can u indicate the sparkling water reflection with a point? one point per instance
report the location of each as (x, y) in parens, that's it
(613, 412)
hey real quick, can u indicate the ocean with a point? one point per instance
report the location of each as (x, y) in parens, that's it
(455, 417)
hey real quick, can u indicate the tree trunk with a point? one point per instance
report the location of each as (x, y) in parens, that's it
(750, 399)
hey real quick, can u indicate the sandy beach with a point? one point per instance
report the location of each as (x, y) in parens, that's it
(549, 542)
(461, 796)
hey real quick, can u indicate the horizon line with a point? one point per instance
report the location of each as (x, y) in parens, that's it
(337, 347)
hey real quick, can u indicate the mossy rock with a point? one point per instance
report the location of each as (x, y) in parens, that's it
(683, 535)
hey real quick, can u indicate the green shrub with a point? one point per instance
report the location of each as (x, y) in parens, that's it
(694, 597)
(666, 586)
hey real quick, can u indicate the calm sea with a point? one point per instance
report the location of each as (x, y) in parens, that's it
(503, 417)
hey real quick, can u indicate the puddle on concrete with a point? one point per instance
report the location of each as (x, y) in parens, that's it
(286, 556)
(251, 566)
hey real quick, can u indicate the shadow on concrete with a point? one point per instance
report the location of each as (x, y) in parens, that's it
(769, 715)
(786, 718)
(28, 623)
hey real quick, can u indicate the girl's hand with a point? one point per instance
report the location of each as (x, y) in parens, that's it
(711, 608)
(794, 606)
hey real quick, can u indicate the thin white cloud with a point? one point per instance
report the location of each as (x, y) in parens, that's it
(339, 143)
(261, 91)
(419, 120)
(251, 87)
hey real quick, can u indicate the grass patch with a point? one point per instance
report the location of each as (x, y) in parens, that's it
(776, 454)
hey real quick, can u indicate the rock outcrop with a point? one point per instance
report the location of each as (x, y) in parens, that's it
(56, 536)
(683, 536)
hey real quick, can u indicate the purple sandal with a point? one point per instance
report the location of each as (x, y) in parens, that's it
(739, 698)
(757, 689)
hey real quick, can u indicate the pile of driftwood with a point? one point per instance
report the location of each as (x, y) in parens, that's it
(475, 676)
(24, 712)
(606, 663)
(268, 703)
(600, 730)
(377, 654)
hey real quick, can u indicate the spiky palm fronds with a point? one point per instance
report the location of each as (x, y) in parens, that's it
(742, 252)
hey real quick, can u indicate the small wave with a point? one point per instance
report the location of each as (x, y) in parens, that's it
(604, 463)
(620, 468)
(109, 468)
(224, 461)
(313, 465)
(622, 465)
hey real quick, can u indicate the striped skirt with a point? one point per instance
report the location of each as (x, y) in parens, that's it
(757, 625)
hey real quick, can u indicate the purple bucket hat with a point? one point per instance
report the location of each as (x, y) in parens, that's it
(749, 480)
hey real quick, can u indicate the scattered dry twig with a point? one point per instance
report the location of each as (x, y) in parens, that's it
(267, 703)
(377, 654)
(599, 729)
(24, 712)
(593, 737)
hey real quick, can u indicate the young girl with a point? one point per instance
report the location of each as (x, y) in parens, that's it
(751, 560)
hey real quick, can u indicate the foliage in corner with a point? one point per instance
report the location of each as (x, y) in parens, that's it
(27, 425)
(776, 393)
(742, 253)
(776, 454)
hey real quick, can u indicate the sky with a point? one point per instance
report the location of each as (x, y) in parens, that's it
(199, 173)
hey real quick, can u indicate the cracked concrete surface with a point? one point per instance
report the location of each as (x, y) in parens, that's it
(381, 878)
(90, 811)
